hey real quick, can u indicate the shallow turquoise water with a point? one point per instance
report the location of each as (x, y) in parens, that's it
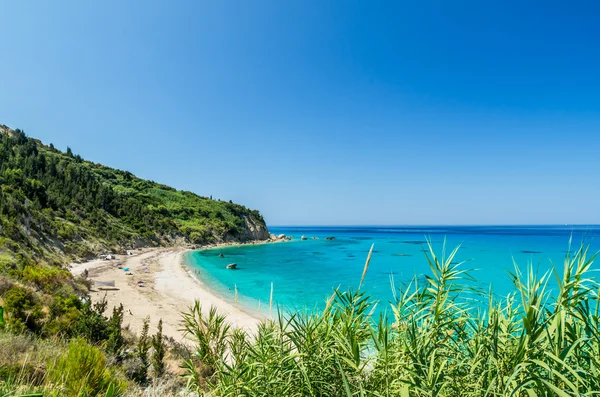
(304, 273)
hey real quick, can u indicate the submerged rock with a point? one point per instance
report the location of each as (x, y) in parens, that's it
(231, 266)
(330, 238)
(221, 256)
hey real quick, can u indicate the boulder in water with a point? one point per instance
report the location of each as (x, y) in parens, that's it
(231, 266)
(303, 238)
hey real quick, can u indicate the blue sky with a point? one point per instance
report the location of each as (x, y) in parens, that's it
(324, 112)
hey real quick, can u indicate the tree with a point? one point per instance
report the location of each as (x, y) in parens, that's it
(142, 353)
(158, 354)
(115, 338)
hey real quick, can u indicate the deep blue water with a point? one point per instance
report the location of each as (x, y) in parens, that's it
(304, 273)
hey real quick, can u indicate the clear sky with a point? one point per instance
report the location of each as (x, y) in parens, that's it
(323, 112)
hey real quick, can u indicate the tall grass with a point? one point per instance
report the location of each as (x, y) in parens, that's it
(440, 338)
(33, 366)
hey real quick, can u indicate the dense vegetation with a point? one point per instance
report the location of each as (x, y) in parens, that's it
(103, 360)
(442, 339)
(56, 202)
(55, 208)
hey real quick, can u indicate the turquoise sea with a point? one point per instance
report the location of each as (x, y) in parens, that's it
(304, 273)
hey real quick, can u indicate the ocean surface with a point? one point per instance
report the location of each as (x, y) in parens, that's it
(304, 273)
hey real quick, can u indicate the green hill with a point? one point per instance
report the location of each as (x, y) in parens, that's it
(57, 207)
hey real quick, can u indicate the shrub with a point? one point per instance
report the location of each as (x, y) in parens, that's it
(44, 278)
(115, 338)
(133, 368)
(158, 352)
(142, 364)
(23, 311)
(83, 370)
(211, 337)
(91, 323)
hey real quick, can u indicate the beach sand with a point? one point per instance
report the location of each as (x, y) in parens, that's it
(168, 289)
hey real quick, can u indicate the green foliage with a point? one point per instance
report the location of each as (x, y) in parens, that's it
(143, 347)
(22, 309)
(45, 278)
(443, 339)
(28, 365)
(91, 323)
(115, 339)
(83, 371)
(210, 335)
(158, 352)
(52, 202)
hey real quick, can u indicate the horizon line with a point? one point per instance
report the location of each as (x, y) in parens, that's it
(445, 225)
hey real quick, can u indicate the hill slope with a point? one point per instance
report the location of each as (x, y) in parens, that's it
(56, 207)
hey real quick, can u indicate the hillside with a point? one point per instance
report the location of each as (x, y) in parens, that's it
(57, 207)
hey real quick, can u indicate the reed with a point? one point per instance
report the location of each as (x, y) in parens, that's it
(271, 299)
(364, 273)
(543, 339)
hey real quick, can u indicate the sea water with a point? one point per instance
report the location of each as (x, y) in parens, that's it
(303, 273)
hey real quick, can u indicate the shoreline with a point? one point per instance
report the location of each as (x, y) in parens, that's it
(160, 285)
(195, 275)
(221, 295)
(238, 244)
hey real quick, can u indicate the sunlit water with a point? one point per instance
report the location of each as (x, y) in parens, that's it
(304, 273)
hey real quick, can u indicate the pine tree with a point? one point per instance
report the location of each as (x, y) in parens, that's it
(142, 353)
(158, 355)
(115, 338)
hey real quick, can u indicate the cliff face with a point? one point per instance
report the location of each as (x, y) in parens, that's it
(253, 229)
(55, 203)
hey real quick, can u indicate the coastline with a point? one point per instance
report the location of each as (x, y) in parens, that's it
(167, 286)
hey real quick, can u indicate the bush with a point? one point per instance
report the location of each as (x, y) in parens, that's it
(158, 352)
(83, 370)
(91, 323)
(22, 309)
(64, 314)
(115, 339)
(44, 278)
(143, 348)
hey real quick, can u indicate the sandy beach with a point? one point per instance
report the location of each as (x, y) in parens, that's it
(167, 289)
